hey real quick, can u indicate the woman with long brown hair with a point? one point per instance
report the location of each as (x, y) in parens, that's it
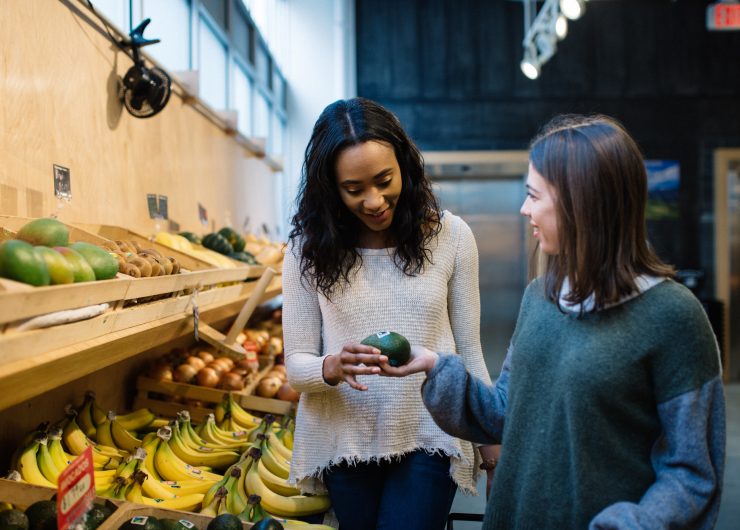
(610, 402)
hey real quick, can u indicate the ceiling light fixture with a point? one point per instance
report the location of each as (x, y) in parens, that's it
(543, 31)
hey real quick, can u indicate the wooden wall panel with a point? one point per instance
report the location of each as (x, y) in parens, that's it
(58, 105)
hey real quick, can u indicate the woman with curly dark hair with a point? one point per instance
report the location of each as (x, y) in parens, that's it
(371, 251)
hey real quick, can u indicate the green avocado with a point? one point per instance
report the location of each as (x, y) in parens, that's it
(46, 231)
(97, 514)
(60, 270)
(19, 261)
(225, 521)
(81, 269)
(103, 263)
(391, 344)
(13, 520)
(42, 515)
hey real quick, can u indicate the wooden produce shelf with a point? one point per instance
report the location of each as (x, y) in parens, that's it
(30, 376)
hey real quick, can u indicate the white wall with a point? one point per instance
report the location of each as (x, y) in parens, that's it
(320, 69)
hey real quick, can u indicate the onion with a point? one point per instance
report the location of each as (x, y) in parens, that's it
(276, 373)
(268, 386)
(185, 373)
(161, 372)
(232, 381)
(279, 368)
(240, 370)
(208, 377)
(287, 393)
(196, 361)
(227, 361)
(206, 356)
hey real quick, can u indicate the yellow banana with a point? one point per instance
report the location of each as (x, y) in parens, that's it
(76, 442)
(203, 456)
(188, 503)
(96, 412)
(61, 460)
(29, 468)
(84, 416)
(105, 474)
(278, 465)
(133, 493)
(149, 445)
(213, 506)
(294, 506)
(278, 447)
(277, 484)
(193, 439)
(46, 463)
(241, 416)
(104, 435)
(136, 420)
(123, 438)
(236, 498)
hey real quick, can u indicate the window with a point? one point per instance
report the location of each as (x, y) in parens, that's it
(241, 100)
(211, 66)
(171, 24)
(277, 146)
(118, 12)
(262, 118)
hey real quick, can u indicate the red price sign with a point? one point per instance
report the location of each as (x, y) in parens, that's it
(76, 490)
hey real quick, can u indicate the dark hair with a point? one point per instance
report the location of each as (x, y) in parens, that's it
(598, 174)
(326, 229)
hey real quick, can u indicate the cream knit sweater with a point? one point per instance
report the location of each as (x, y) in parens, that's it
(439, 309)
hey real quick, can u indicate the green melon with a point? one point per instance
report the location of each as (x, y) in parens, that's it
(19, 261)
(103, 263)
(46, 231)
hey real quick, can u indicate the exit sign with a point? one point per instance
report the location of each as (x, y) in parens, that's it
(723, 16)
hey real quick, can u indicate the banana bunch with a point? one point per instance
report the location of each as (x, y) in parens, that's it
(275, 503)
(169, 466)
(75, 441)
(195, 454)
(112, 433)
(213, 434)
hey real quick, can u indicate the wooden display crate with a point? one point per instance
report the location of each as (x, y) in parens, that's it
(132, 301)
(129, 510)
(21, 495)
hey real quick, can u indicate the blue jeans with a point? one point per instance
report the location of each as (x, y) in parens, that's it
(414, 493)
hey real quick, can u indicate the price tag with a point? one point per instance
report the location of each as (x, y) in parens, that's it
(152, 205)
(76, 490)
(62, 183)
(202, 214)
(163, 214)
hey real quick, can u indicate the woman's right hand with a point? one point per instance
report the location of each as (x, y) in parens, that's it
(422, 360)
(354, 359)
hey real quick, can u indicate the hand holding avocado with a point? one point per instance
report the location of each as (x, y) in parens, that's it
(354, 359)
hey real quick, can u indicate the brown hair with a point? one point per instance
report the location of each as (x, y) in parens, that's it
(599, 178)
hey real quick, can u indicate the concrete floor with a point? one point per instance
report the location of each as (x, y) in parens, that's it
(729, 514)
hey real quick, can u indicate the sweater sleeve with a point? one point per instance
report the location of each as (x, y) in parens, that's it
(302, 328)
(463, 301)
(463, 405)
(688, 460)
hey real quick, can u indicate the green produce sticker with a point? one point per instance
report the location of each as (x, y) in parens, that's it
(139, 520)
(186, 524)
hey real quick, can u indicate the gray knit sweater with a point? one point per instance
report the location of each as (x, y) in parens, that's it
(614, 420)
(439, 309)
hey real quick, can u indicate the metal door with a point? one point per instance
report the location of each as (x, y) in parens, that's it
(491, 208)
